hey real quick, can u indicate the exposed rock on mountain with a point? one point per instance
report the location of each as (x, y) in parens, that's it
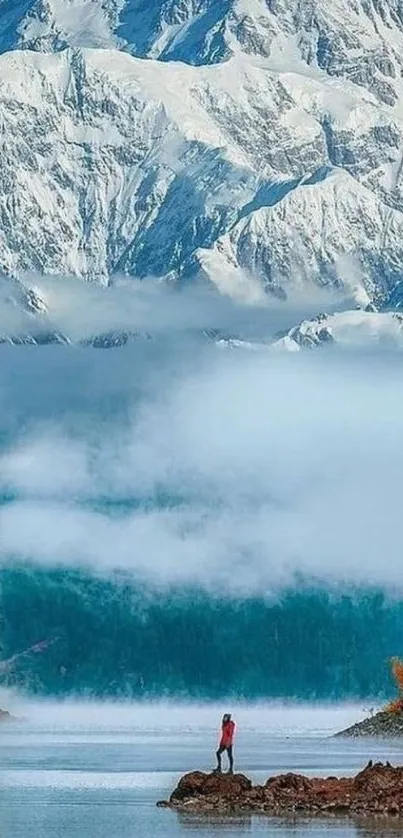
(361, 41)
(273, 163)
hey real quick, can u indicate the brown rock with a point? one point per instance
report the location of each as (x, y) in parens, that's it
(217, 788)
(378, 789)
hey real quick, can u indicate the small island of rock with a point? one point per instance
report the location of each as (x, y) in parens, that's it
(384, 725)
(377, 790)
(388, 722)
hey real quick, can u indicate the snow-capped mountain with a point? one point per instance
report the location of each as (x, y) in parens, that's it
(350, 329)
(258, 143)
(361, 41)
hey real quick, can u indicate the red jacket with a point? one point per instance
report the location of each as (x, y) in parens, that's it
(227, 734)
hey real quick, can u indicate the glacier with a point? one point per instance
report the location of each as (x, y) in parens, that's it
(255, 144)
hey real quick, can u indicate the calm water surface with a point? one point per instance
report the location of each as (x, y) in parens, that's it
(97, 772)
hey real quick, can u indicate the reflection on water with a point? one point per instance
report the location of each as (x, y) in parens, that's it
(290, 825)
(107, 813)
(378, 827)
(236, 824)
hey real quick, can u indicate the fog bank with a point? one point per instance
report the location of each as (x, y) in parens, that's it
(236, 471)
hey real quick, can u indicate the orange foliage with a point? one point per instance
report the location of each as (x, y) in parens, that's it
(396, 706)
(397, 669)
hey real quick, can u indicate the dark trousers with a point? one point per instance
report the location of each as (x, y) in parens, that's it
(230, 757)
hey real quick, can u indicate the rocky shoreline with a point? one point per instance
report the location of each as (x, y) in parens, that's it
(385, 725)
(377, 790)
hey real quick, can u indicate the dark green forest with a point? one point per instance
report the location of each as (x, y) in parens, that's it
(116, 637)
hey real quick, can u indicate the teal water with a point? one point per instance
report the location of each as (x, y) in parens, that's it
(75, 772)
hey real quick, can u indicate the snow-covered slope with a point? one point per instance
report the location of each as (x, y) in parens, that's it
(348, 329)
(257, 142)
(110, 163)
(115, 164)
(360, 40)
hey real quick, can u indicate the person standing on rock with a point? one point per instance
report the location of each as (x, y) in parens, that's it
(226, 743)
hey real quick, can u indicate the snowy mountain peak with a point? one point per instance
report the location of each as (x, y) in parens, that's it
(256, 143)
(360, 41)
(348, 329)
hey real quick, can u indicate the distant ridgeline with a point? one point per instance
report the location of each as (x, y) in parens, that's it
(118, 638)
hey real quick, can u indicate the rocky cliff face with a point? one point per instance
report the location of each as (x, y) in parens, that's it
(257, 143)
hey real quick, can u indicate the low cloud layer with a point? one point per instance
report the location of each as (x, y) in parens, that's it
(234, 470)
(81, 309)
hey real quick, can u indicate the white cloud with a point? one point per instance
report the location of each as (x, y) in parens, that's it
(234, 471)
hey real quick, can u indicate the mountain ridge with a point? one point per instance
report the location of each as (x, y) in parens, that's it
(271, 163)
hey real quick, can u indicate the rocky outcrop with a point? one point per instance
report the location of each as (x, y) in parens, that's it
(378, 789)
(384, 724)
